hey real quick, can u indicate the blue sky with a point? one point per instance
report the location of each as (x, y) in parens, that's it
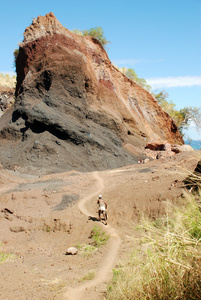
(159, 39)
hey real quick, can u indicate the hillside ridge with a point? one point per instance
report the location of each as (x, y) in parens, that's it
(74, 109)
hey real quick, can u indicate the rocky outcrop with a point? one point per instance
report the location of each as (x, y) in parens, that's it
(158, 150)
(74, 109)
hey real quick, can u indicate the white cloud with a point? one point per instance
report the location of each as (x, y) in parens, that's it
(159, 82)
(192, 132)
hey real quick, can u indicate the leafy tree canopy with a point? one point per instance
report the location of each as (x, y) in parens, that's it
(182, 117)
(131, 74)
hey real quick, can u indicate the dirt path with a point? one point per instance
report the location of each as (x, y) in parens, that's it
(87, 290)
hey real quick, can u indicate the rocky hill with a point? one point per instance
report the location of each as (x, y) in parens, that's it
(74, 109)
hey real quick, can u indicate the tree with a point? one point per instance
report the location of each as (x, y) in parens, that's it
(96, 32)
(15, 53)
(182, 117)
(191, 114)
(131, 74)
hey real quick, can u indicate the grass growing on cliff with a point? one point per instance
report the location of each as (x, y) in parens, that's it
(170, 267)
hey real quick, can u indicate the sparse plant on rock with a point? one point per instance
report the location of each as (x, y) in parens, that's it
(131, 74)
(96, 32)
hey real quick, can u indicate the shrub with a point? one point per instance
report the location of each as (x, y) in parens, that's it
(96, 32)
(98, 236)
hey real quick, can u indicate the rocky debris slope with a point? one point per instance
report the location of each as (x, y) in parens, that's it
(74, 109)
(158, 150)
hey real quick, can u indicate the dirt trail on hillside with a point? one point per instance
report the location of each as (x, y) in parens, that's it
(42, 216)
(104, 273)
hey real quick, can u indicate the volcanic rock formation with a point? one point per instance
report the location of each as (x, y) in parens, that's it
(74, 109)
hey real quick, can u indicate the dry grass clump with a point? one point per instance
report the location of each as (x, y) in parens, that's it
(88, 276)
(170, 267)
(193, 181)
(7, 80)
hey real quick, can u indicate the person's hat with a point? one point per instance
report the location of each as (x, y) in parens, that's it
(100, 196)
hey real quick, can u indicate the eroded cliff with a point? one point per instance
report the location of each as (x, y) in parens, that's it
(74, 109)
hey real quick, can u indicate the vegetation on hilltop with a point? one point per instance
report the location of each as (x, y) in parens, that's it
(96, 32)
(131, 74)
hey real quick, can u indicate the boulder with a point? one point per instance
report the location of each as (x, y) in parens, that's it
(181, 148)
(72, 251)
(157, 150)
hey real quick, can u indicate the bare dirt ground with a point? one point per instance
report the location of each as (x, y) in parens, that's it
(41, 216)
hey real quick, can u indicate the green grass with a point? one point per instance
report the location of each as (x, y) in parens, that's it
(86, 250)
(169, 263)
(5, 257)
(88, 276)
(99, 237)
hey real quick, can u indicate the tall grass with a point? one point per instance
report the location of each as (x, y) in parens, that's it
(193, 181)
(170, 267)
(7, 80)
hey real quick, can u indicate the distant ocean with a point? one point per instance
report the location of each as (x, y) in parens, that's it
(196, 145)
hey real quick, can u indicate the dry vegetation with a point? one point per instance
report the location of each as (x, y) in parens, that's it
(169, 267)
(7, 80)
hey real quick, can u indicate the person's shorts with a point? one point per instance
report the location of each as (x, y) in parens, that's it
(102, 210)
